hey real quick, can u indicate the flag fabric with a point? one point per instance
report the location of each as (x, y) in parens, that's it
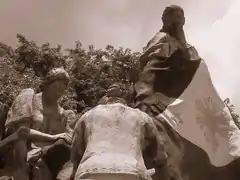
(175, 87)
(175, 78)
(200, 116)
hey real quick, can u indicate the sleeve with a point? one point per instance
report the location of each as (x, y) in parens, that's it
(21, 108)
(156, 47)
(155, 148)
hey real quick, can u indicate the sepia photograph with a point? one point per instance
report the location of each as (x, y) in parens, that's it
(119, 90)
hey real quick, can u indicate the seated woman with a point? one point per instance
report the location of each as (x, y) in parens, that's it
(35, 122)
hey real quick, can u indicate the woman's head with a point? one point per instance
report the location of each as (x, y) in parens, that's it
(56, 82)
(57, 74)
(114, 90)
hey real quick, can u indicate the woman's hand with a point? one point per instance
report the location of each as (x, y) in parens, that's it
(34, 155)
(64, 136)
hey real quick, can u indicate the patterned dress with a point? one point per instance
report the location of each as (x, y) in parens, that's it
(27, 110)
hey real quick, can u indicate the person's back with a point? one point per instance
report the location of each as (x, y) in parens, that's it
(114, 136)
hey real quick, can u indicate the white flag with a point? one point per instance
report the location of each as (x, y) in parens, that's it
(200, 116)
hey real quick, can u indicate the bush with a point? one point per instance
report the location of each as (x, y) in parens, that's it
(91, 70)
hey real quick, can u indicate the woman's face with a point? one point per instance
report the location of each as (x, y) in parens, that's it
(57, 88)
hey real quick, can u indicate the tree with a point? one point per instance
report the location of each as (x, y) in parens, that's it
(40, 59)
(91, 70)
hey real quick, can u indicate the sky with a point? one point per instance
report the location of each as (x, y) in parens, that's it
(210, 26)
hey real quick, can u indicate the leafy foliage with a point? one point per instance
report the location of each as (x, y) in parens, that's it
(95, 69)
(6, 50)
(40, 59)
(92, 70)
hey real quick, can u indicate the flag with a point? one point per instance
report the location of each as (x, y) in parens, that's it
(200, 116)
(200, 136)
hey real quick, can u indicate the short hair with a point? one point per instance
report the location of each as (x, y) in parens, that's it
(168, 11)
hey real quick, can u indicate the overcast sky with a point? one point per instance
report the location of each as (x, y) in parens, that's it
(211, 25)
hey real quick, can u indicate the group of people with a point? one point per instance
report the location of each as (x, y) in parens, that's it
(110, 140)
(48, 142)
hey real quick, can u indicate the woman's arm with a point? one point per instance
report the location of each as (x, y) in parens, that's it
(30, 134)
(37, 136)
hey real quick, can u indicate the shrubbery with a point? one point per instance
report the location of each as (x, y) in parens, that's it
(92, 70)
